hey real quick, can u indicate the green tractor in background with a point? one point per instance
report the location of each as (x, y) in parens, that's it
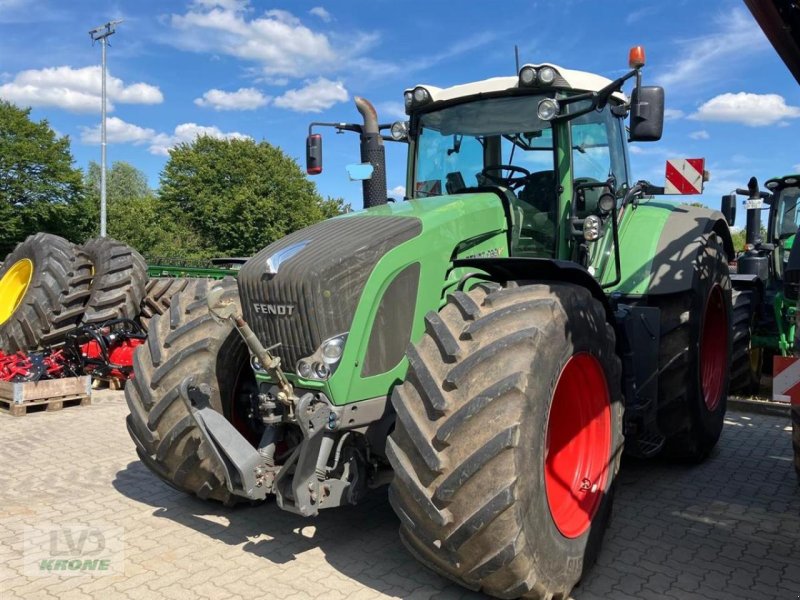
(488, 346)
(761, 271)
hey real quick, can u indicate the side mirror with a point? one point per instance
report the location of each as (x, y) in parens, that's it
(360, 171)
(647, 114)
(729, 208)
(314, 154)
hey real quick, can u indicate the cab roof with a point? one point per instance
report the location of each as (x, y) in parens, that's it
(567, 79)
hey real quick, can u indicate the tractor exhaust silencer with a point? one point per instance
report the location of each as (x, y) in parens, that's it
(373, 152)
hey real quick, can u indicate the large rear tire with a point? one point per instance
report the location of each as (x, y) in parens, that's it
(185, 342)
(694, 358)
(120, 276)
(508, 439)
(44, 286)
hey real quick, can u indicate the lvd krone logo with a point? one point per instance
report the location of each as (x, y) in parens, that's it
(72, 542)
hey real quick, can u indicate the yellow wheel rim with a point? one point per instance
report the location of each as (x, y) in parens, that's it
(13, 286)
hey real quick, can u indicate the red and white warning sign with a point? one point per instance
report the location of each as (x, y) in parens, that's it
(786, 379)
(685, 176)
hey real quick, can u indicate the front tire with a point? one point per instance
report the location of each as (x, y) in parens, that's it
(508, 439)
(184, 342)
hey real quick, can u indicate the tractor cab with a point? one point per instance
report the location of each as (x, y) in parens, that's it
(550, 141)
(505, 143)
(784, 219)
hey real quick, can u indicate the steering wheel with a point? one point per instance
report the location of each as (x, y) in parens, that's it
(510, 181)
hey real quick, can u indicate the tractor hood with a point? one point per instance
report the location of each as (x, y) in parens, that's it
(346, 274)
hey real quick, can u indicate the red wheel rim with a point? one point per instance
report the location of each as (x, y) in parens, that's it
(578, 445)
(714, 348)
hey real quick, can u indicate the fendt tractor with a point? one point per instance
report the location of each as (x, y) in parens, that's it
(487, 346)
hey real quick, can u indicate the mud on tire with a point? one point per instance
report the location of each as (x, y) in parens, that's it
(43, 311)
(469, 450)
(184, 341)
(692, 402)
(120, 276)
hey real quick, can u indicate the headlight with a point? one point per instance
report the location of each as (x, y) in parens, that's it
(304, 369)
(408, 98)
(591, 228)
(527, 76)
(547, 75)
(606, 203)
(322, 364)
(332, 350)
(548, 109)
(399, 130)
(421, 95)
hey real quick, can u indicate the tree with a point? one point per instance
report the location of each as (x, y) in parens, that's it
(38, 182)
(239, 195)
(136, 216)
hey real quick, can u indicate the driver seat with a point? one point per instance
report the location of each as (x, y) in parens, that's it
(540, 191)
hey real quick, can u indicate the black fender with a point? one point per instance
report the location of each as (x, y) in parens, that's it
(538, 269)
(680, 240)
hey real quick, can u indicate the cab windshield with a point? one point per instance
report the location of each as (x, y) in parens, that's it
(501, 142)
(787, 214)
(465, 145)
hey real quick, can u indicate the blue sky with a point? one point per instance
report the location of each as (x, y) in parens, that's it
(266, 69)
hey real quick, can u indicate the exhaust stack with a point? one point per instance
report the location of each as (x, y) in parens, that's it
(373, 152)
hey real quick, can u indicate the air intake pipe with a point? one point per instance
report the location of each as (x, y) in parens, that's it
(372, 151)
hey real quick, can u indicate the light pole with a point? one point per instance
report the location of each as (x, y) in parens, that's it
(101, 34)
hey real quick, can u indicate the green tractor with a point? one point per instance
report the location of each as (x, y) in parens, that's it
(488, 346)
(764, 282)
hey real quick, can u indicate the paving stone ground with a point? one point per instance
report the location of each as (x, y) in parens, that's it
(727, 529)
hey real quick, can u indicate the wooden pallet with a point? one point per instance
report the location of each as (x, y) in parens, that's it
(21, 398)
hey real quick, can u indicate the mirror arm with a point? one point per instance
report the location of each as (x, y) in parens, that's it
(340, 127)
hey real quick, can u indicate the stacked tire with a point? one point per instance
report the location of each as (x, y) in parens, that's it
(49, 286)
(44, 288)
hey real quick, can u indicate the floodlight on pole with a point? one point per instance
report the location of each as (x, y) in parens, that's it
(101, 34)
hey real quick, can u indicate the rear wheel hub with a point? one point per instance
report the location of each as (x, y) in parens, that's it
(13, 286)
(578, 451)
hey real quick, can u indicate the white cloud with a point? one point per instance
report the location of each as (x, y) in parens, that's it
(319, 11)
(398, 191)
(121, 132)
(241, 99)
(672, 114)
(117, 132)
(188, 132)
(315, 96)
(753, 110)
(277, 40)
(75, 90)
(736, 39)
(796, 168)
(699, 135)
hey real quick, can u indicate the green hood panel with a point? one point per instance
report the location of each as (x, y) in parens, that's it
(451, 226)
